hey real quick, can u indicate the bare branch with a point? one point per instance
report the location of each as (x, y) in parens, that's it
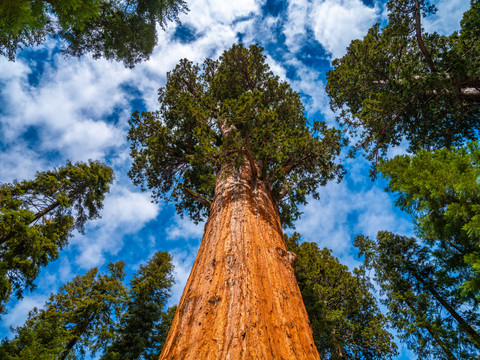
(197, 197)
(418, 31)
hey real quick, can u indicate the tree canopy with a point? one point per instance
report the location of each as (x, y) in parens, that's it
(431, 282)
(38, 216)
(225, 113)
(115, 29)
(440, 190)
(80, 317)
(343, 313)
(400, 83)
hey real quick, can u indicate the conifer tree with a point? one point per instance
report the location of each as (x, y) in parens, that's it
(98, 313)
(343, 313)
(38, 216)
(79, 318)
(440, 190)
(400, 83)
(429, 318)
(231, 143)
(145, 322)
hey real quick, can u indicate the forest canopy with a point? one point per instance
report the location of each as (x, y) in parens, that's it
(400, 83)
(122, 30)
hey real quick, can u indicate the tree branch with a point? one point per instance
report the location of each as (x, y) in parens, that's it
(196, 196)
(418, 31)
(251, 161)
(290, 164)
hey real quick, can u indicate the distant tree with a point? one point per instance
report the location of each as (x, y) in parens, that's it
(80, 317)
(98, 313)
(115, 29)
(38, 216)
(429, 318)
(441, 191)
(144, 324)
(345, 319)
(231, 142)
(400, 83)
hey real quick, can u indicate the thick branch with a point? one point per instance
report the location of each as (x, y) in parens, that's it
(197, 197)
(470, 92)
(225, 129)
(251, 161)
(418, 31)
(290, 164)
(283, 192)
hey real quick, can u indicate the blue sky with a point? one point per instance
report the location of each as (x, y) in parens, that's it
(54, 108)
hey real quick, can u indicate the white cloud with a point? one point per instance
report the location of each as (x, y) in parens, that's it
(297, 23)
(125, 212)
(20, 163)
(447, 19)
(206, 13)
(337, 22)
(18, 314)
(184, 229)
(343, 212)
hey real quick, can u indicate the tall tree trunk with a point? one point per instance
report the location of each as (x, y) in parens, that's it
(241, 300)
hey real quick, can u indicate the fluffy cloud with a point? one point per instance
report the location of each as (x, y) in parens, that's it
(125, 212)
(184, 229)
(205, 14)
(334, 23)
(447, 19)
(349, 208)
(337, 23)
(17, 315)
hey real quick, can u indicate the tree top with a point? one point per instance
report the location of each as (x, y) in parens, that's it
(230, 111)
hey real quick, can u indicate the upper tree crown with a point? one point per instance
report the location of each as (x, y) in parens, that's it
(230, 111)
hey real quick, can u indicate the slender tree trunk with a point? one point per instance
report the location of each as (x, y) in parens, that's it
(241, 300)
(464, 326)
(427, 326)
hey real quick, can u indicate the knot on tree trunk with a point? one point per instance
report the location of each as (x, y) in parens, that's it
(287, 256)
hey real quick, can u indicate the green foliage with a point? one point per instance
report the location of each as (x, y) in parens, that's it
(225, 113)
(144, 325)
(80, 316)
(98, 313)
(429, 317)
(38, 216)
(115, 29)
(401, 84)
(441, 191)
(345, 319)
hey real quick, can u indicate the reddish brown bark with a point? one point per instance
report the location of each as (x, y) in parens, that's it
(241, 300)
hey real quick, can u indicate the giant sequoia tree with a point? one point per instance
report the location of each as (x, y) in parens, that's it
(231, 143)
(400, 83)
(123, 30)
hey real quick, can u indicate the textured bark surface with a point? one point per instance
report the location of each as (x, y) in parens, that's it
(241, 300)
